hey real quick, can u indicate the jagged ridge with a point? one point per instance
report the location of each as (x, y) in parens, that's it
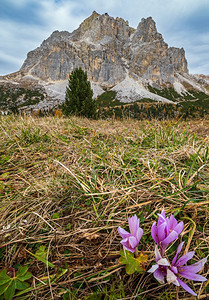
(107, 49)
(114, 55)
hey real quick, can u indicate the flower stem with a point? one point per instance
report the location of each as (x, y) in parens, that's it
(136, 252)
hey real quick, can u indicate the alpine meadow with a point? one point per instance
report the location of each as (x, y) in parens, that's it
(104, 168)
(68, 184)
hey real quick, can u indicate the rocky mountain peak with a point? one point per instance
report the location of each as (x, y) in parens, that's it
(108, 49)
(115, 56)
(147, 31)
(97, 27)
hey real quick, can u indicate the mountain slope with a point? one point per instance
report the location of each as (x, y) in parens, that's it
(115, 56)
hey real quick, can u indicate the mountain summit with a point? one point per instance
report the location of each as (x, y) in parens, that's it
(115, 56)
(108, 49)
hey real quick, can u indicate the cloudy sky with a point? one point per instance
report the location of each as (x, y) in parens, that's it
(24, 24)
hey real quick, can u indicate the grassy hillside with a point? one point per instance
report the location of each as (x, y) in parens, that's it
(189, 106)
(66, 185)
(15, 99)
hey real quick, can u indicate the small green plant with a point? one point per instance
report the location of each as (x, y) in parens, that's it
(167, 296)
(133, 264)
(113, 292)
(66, 296)
(10, 281)
(31, 135)
(41, 255)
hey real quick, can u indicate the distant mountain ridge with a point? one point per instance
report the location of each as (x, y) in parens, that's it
(107, 49)
(115, 56)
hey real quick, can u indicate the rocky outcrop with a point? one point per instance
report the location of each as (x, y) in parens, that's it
(107, 49)
(115, 56)
(151, 58)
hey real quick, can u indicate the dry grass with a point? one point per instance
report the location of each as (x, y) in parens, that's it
(67, 184)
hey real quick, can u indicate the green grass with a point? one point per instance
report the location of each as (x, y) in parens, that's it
(195, 95)
(108, 99)
(169, 93)
(189, 106)
(67, 184)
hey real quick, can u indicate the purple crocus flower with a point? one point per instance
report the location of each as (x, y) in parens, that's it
(173, 271)
(131, 240)
(166, 230)
(160, 269)
(178, 268)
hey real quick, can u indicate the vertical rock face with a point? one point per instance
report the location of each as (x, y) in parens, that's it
(151, 58)
(146, 32)
(108, 49)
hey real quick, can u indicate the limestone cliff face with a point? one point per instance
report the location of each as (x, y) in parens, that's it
(150, 57)
(108, 49)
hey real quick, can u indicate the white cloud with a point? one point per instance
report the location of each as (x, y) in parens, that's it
(9, 58)
(18, 40)
(59, 16)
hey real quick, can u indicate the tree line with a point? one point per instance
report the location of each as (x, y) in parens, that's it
(79, 101)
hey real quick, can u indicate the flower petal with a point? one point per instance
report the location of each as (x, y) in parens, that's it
(161, 231)
(126, 245)
(162, 214)
(170, 238)
(192, 276)
(123, 233)
(176, 282)
(172, 222)
(128, 248)
(133, 224)
(179, 227)
(177, 252)
(161, 219)
(124, 241)
(163, 262)
(186, 287)
(159, 276)
(196, 267)
(174, 269)
(157, 253)
(171, 277)
(153, 269)
(154, 233)
(184, 259)
(133, 242)
(139, 234)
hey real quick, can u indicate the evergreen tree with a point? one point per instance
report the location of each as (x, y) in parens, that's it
(78, 96)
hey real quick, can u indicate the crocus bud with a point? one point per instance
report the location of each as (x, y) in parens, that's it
(131, 240)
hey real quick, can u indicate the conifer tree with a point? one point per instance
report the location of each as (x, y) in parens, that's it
(78, 96)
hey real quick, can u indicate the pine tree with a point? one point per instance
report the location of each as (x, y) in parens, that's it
(78, 96)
